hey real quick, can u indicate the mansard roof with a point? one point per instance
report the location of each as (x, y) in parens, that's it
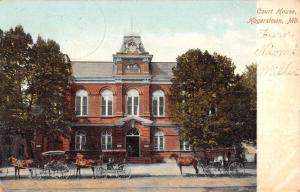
(161, 71)
(92, 69)
(132, 48)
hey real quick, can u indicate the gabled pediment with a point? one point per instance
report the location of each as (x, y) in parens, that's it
(143, 121)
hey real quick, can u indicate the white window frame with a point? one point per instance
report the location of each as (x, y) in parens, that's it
(104, 140)
(159, 141)
(81, 135)
(184, 146)
(157, 94)
(81, 94)
(131, 94)
(107, 94)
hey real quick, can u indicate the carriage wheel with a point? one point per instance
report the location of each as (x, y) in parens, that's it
(236, 169)
(124, 171)
(40, 173)
(210, 171)
(99, 171)
(205, 170)
(72, 170)
(64, 172)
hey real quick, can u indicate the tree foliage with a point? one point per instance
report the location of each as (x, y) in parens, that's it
(34, 78)
(249, 104)
(204, 102)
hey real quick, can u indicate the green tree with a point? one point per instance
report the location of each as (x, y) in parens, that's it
(201, 89)
(34, 80)
(248, 101)
(15, 65)
(50, 81)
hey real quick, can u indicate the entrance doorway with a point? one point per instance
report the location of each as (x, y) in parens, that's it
(133, 142)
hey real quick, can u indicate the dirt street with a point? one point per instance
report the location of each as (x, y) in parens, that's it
(165, 183)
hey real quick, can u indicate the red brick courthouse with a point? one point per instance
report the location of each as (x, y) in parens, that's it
(123, 104)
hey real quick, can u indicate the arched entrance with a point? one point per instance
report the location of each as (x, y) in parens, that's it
(133, 142)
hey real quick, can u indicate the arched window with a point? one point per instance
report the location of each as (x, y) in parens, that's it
(133, 132)
(159, 141)
(106, 140)
(106, 103)
(158, 103)
(81, 103)
(80, 140)
(133, 102)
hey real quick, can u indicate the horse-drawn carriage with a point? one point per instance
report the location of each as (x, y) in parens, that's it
(113, 163)
(222, 161)
(54, 164)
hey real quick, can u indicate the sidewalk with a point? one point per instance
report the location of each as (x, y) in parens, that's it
(169, 168)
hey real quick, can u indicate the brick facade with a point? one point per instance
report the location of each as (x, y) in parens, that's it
(131, 69)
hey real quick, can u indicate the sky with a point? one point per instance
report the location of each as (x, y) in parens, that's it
(93, 30)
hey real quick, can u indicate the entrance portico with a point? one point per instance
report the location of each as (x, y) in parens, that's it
(133, 142)
(137, 139)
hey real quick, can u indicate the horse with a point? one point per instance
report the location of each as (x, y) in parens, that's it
(21, 164)
(185, 161)
(84, 163)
